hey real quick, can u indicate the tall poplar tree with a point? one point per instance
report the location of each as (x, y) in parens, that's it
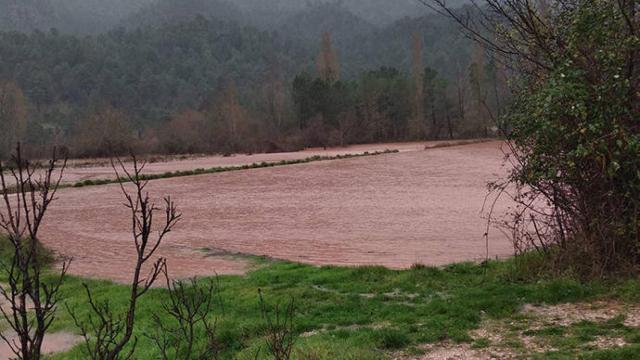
(13, 117)
(416, 125)
(327, 62)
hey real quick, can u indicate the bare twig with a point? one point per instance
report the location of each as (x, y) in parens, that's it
(33, 301)
(280, 328)
(110, 333)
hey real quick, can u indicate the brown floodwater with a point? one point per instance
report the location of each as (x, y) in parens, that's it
(393, 210)
(93, 169)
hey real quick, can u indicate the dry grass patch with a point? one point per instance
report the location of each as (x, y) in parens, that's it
(598, 311)
(539, 330)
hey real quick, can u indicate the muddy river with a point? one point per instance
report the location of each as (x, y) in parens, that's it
(418, 206)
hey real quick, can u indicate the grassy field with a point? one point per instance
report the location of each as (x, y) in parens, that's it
(376, 313)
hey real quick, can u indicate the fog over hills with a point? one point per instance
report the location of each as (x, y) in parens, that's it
(95, 16)
(71, 16)
(162, 12)
(308, 25)
(366, 33)
(379, 12)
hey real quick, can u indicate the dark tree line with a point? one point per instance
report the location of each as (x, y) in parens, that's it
(204, 85)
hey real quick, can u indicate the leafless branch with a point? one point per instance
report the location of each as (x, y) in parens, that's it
(26, 197)
(110, 334)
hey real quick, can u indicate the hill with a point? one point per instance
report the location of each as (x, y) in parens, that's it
(164, 12)
(69, 16)
(307, 26)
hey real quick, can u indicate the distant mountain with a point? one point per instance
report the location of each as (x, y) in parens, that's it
(444, 47)
(362, 46)
(163, 12)
(98, 16)
(378, 12)
(26, 15)
(69, 16)
(384, 12)
(308, 25)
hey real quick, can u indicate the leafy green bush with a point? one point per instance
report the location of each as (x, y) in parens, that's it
(575, 139)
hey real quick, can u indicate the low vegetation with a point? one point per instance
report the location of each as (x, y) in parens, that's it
(377, 313)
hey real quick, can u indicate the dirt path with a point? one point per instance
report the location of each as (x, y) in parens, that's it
(53, 343)
(393, 210)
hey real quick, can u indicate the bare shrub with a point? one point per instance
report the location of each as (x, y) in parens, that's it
(104, 132)
(189, 307)
(280, 328)
(106, 334)
(31, 297)
(186, 133)
(316, 133)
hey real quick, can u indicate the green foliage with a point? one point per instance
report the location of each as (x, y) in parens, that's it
(376, 107)
(576, 138)
(365, 312)
(391, 339)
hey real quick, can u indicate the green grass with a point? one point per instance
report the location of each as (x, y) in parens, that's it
(213, 170)
(373, 312)
(369, 312)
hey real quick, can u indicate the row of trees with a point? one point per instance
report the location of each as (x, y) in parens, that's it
(322, 110)
(240, 85)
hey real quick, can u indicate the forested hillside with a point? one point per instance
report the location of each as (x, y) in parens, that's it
(307, 26)
(167, 12)
(381, 12)
(320, 76)
(70, 16)
(94, 16)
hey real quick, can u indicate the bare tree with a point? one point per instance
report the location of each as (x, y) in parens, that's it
(280, 328)
(327, 61)
(460, 94)
(275, 96)
(416, 126)
(229, 120)
(104, 132)
(189, 307)
(32, 300)
(13, 117)
(347, 125)
(106, 334)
